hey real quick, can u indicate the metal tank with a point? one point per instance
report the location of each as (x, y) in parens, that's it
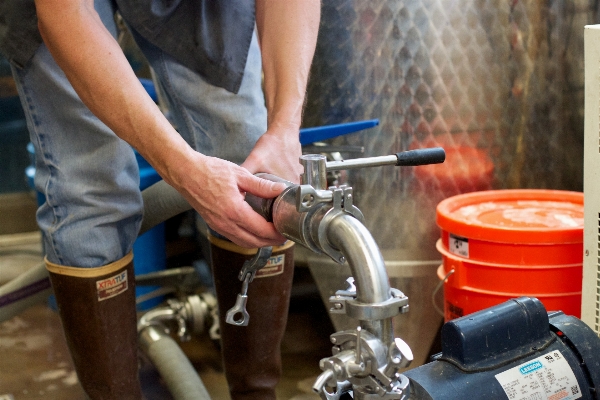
(497, 83)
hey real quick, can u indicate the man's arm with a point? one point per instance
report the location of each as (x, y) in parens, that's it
(287, 35)
(102, 77)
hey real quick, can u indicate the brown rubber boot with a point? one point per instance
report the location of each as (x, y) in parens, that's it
(252, 353)
(97, 310)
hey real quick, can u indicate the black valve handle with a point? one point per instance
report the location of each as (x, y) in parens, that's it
(432, 155)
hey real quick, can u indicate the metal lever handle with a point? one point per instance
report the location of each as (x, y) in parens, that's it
(433, 155)
(237, 315)
(260, 259)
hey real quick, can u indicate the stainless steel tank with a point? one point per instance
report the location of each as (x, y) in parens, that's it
(497, 83)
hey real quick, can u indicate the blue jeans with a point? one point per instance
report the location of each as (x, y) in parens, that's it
(90, 177)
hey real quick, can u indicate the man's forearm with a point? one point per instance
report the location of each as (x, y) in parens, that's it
(104, 80)
(288, 33)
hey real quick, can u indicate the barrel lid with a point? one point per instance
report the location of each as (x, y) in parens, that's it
(514, 216)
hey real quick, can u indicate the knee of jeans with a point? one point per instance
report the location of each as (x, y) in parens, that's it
(92, 239)
(91, 220)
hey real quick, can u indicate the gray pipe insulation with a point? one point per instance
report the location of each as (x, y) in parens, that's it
(161, 202)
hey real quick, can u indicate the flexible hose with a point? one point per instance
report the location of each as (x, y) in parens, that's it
(161, 202)
(26, 290)
(172, 364)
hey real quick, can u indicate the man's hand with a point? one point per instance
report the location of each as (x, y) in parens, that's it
(216, 189)
(277, 152)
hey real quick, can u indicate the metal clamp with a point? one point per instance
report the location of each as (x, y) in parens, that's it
(344, 200)
(260, 259)
(347, 304)
(365, 361)
(238, 315)
(308, 197)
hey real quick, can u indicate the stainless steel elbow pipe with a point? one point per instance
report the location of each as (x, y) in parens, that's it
(326, 222)
(356, 243)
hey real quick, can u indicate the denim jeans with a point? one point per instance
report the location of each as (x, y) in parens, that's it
(90, 177)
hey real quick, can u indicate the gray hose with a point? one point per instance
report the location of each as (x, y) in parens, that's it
(161, 202)
(26, 290)
(173, 366)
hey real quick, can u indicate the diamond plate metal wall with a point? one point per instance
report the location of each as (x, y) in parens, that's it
(498, 83)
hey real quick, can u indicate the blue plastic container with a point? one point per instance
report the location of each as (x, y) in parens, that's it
(14, 136)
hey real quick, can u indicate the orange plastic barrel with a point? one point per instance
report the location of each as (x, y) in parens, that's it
(501, 244)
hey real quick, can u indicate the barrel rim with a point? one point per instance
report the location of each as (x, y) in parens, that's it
(496, 233)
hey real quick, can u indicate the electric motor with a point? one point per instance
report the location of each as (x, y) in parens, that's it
(517, 351)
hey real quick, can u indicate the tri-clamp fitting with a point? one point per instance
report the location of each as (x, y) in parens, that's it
(362, 361)
(190, 315)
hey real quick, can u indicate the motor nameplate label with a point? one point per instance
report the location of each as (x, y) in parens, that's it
(548, 377)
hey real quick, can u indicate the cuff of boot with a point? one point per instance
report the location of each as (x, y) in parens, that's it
(225, 244)
(89, 272)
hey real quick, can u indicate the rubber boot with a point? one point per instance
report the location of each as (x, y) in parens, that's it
(97, 310)
(252, 353)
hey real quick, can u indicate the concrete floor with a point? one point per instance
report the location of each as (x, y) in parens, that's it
(35, 363)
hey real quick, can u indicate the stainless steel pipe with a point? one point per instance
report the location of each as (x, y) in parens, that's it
(356, 243)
